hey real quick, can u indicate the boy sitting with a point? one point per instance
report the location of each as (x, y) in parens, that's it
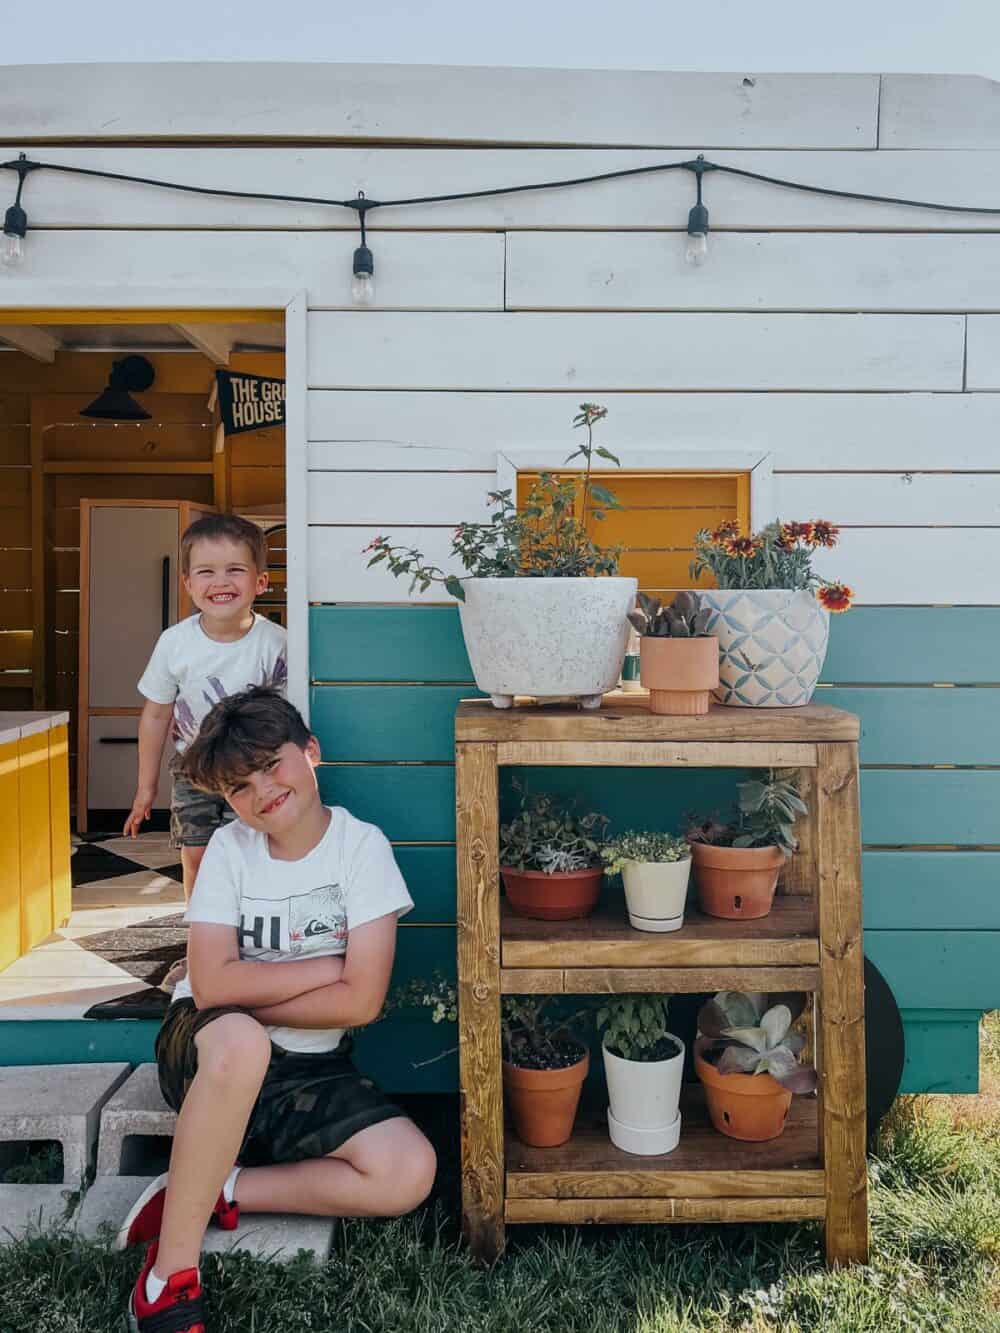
(223, 648)
(293, 930)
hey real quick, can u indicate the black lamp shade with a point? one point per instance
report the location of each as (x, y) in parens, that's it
(116, 403)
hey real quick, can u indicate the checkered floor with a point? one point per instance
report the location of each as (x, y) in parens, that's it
(124, 933)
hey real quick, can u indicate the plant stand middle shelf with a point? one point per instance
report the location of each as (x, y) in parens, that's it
(811, 941)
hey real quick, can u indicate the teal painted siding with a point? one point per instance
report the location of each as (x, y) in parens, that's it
(385, 684)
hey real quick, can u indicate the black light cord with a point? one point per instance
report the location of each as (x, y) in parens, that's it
(364, 205)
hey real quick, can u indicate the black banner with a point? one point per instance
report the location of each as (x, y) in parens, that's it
(249, 402)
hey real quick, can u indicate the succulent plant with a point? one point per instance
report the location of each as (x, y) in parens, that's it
(750, 1033)
(767, 807)
(684, 618)
(642, 847)
(548, 835)
(635, 1028)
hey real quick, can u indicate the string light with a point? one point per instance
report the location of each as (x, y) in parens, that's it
(363, 269)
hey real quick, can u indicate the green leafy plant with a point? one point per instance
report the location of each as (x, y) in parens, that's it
(635, 1028)
(767, 806)
(778, 556)
(750, 1033)
(684, 618)
(548, 835)
(533, 1037)
(547, 538)
(643, 847)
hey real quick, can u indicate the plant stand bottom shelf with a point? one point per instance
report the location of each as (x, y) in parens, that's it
(707, 1178)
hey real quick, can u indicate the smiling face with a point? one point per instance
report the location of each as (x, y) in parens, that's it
(222, 579)
(278, 796)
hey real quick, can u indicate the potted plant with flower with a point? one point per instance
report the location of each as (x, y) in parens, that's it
(747, 1058)
(643, 1064)
(550, 859)
(737, 863)
(541, 606)
(770, 610)
(678, 655)
(655, 868)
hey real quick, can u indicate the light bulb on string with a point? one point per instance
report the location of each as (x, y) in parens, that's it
(696, 251)
(15, 222)
(363, 269)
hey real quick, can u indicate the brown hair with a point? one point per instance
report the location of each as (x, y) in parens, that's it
(239, 736)
(212, 527)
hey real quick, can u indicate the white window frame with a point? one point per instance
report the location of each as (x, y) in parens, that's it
(653, 458)
(25, 294)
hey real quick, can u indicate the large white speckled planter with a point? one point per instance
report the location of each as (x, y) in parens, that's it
(550, 638)
(772, 645)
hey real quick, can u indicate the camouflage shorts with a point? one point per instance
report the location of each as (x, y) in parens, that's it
(195, 814)
(309, 1104)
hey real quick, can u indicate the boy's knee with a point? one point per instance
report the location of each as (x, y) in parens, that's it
(235, 1048)
(412, 1174)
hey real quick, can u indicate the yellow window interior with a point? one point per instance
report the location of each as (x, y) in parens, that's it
(660, 514)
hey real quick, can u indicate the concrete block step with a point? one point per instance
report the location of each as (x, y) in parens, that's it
(264, 1235)
(26, 1210)
(61, 1103)
(136, 1110)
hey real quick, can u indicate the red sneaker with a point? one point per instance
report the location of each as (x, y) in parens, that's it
(178, 1308)
(145, 1217)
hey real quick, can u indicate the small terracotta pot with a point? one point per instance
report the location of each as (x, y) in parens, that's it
(560, 897)
(679, 673)
(751, 1107)
(543, 1102)
(736, 882)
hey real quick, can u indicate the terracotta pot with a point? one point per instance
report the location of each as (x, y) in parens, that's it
(543, 1102)
(736, 882)
(679, 673)
(751, 1107)
(560, 897)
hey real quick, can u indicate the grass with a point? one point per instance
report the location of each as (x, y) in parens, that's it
(935, 1208)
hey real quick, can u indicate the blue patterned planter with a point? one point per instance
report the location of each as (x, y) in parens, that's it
(772, 645)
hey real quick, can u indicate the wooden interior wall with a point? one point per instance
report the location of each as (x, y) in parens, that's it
(172, 456)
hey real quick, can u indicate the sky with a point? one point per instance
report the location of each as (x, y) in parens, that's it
(762, 36)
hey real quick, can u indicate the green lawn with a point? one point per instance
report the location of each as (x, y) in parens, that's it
(935, 1206)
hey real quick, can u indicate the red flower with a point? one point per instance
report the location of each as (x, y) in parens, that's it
(835, 596)
(744, 547)
(727, 529)
(791, 533)
(821, 533)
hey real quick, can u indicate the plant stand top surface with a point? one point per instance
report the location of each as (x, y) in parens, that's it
(626, 717)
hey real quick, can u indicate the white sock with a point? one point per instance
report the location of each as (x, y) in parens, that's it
(154, 1287)
(229, 1188)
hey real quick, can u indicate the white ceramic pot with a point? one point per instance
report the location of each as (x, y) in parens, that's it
(772, 645)
(655, 893)
(644, 1097)
(550, 638)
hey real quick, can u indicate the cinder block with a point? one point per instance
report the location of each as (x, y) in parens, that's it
(30, 1209)
(60, 1102)
(266, 1235)
(137, 1108)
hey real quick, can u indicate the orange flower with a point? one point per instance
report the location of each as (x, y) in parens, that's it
(835, 596)
(727, 529)
(791, 533)
(744, 547)
(821, 533)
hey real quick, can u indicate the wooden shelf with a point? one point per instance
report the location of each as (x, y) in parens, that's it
(788, 936)
(707, 1177)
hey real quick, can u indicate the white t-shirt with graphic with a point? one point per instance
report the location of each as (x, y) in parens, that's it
(193, 672)
(285, 910)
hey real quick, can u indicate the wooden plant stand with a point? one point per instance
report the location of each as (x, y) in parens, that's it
(811, 942)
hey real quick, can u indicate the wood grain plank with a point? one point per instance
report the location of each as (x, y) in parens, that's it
(657, 754)
(841, 1004)
(531, 981)
(686, 980)
(940, 111)
(476, 829)
(623, 1211)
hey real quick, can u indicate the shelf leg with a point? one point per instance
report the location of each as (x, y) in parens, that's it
(477, 832)
(841, 1004)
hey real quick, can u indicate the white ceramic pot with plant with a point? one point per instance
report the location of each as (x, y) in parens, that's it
(655, 868)
(643, 1064)
(542, 609)
(770, 610)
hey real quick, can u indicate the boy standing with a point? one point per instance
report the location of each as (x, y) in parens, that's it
(225, 647)
(293, 928)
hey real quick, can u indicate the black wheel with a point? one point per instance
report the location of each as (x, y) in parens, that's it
(885, 1046)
